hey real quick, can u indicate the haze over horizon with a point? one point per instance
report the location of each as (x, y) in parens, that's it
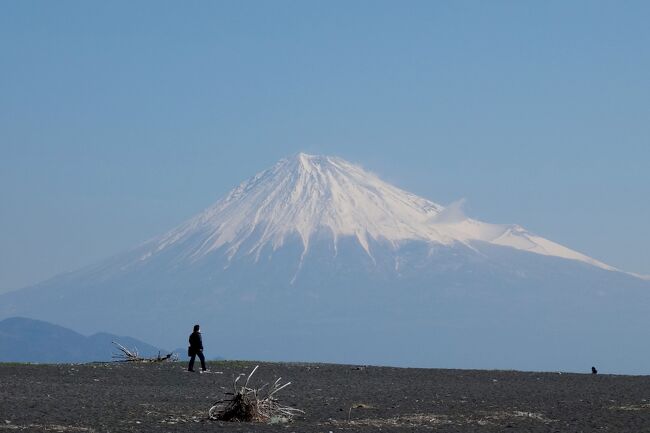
(118, 126)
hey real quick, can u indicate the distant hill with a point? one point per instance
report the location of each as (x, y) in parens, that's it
(27, 340)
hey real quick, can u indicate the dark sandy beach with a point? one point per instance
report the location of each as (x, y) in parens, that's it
(336, 398)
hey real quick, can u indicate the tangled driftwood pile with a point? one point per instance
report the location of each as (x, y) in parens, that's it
(253, 405)
(132, 355)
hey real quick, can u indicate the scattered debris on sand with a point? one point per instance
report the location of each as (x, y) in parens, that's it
(250, 405)
(416, 420)
(47, 428)
(643, 406)
(430, 420)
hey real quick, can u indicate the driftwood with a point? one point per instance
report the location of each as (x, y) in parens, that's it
(251, 405)
(132, 355)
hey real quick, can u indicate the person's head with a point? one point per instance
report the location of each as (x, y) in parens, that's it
(197, 328)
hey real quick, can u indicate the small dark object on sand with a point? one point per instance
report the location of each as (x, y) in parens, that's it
(593, 370)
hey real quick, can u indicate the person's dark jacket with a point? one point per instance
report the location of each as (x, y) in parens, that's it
(196, 343)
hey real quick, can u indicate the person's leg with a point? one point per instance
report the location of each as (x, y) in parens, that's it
(191, 366)
(202, 358)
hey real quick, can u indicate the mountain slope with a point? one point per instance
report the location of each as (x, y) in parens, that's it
(317, 259)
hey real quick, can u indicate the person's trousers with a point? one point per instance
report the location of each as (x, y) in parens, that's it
(201, 357)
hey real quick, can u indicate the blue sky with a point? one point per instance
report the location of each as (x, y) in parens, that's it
(118, 120)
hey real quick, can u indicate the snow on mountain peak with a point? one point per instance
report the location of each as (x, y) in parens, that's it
(306, 194)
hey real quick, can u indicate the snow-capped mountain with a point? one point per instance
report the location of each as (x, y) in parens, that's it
(318, 259)
(305, 195)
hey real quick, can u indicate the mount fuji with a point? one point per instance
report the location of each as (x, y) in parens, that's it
(316, 259)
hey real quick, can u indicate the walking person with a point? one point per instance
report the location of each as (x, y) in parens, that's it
(196, 349)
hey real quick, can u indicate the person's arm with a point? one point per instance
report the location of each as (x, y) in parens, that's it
(200, 342)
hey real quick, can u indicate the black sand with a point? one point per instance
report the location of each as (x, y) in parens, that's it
(336, 398)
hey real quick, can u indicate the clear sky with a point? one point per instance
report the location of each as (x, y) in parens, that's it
(119, 120)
